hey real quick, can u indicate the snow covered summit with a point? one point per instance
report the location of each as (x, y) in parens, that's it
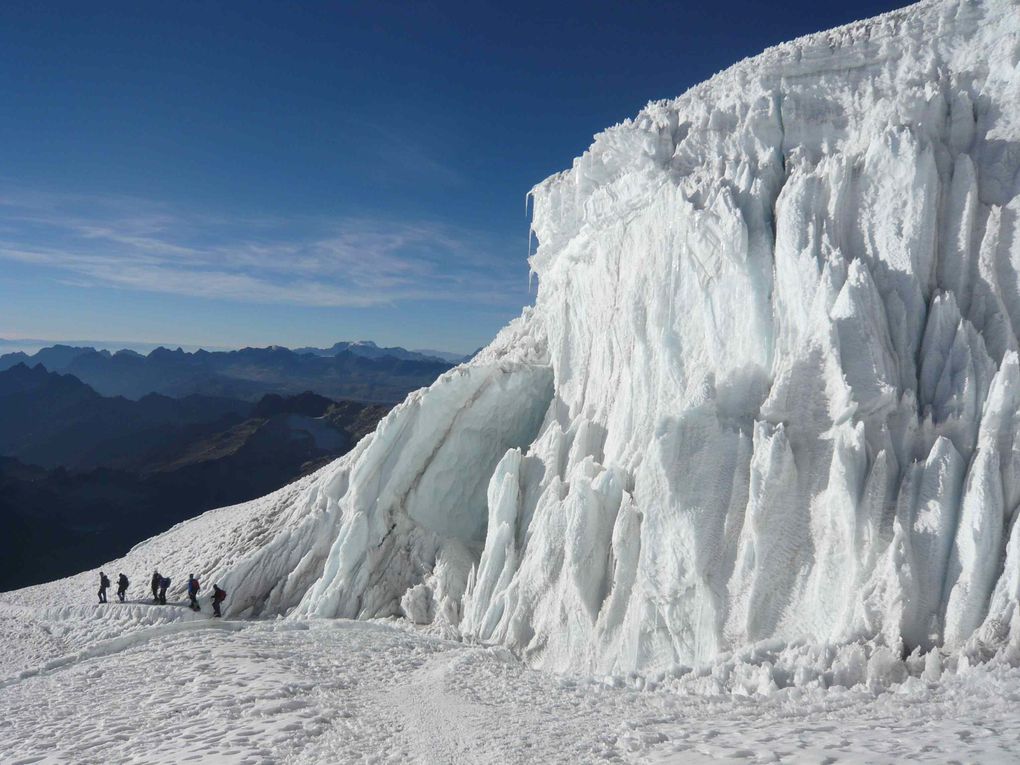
(769, 389)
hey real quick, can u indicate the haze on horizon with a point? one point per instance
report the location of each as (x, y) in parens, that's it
(221, 176)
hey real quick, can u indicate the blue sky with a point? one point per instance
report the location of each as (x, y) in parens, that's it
(228, 174)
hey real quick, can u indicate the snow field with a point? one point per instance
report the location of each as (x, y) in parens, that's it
(286, 691)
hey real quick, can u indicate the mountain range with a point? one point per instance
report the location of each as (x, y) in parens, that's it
(359, 371)
(370, 350)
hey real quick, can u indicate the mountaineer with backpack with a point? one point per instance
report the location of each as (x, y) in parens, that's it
(164, 582)
(104, 584)
(122, 585)
(156, 579)
(218, 597)
(193, 588)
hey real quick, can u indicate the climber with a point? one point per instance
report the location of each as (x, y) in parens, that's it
(156, 579)
(218, 597)
(104, 584)
(122, 585)
(164, 582)
(193, 588)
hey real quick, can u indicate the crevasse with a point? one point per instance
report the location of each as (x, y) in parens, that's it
(769, 388)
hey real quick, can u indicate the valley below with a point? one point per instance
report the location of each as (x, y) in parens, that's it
(85, 476)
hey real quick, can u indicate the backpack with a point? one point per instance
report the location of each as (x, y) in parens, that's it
(124, 582)
(197, 586)
(104, 582)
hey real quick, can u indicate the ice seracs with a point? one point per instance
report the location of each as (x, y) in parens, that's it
(769, 389)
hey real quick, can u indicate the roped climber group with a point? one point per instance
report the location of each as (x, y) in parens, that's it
(159, 585)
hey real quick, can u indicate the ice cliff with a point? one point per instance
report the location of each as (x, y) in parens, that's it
(769, 388)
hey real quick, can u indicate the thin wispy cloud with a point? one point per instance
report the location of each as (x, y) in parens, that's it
(344, 262)
(398, 158)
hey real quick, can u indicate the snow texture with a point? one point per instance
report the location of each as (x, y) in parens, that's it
(768, 394)
(174, 687)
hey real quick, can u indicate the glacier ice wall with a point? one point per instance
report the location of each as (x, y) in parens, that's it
(769, 388)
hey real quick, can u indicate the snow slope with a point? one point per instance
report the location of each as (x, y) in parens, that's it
(338, 691)
(769, 391)
(341, 691)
